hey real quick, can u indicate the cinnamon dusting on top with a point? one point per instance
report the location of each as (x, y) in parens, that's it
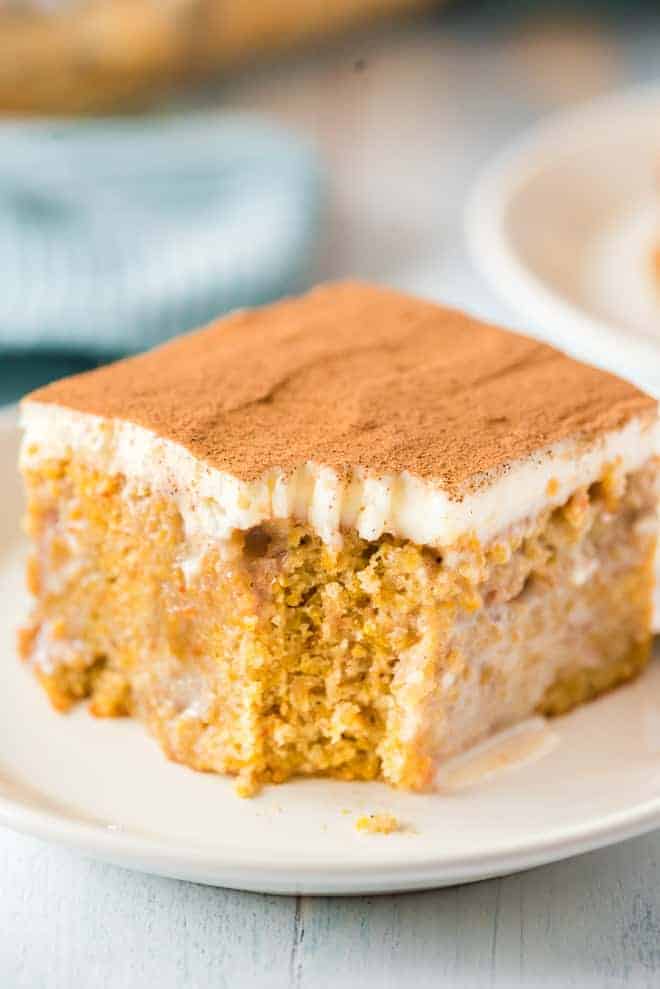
(354, 375)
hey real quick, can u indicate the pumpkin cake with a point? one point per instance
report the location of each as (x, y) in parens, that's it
(350, 534)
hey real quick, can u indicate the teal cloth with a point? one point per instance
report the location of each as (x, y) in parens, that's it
(117, 234)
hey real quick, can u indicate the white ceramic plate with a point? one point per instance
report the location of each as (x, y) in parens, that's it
(562, 225)
(104, 788)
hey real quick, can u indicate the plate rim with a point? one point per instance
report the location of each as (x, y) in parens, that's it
(256, 868)
(548, 311)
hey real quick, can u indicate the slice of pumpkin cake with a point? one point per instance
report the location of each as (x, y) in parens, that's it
(348, 534)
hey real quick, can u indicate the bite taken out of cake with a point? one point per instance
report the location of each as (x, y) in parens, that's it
(350, 534)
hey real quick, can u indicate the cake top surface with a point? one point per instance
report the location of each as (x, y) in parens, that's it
(356, 376)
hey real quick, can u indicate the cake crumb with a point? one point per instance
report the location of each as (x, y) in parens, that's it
(552, 487)
(247, 784)
(378, 823)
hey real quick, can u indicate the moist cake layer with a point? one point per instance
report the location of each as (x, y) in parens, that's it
(280, 656)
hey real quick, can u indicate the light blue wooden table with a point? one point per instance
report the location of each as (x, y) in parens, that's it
(403, 138)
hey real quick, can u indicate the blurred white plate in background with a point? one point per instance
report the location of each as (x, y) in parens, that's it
(563, 225)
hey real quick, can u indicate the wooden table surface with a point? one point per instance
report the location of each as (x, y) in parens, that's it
(404, 121)
(592, 921)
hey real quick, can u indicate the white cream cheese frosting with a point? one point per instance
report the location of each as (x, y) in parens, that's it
(213, 503)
